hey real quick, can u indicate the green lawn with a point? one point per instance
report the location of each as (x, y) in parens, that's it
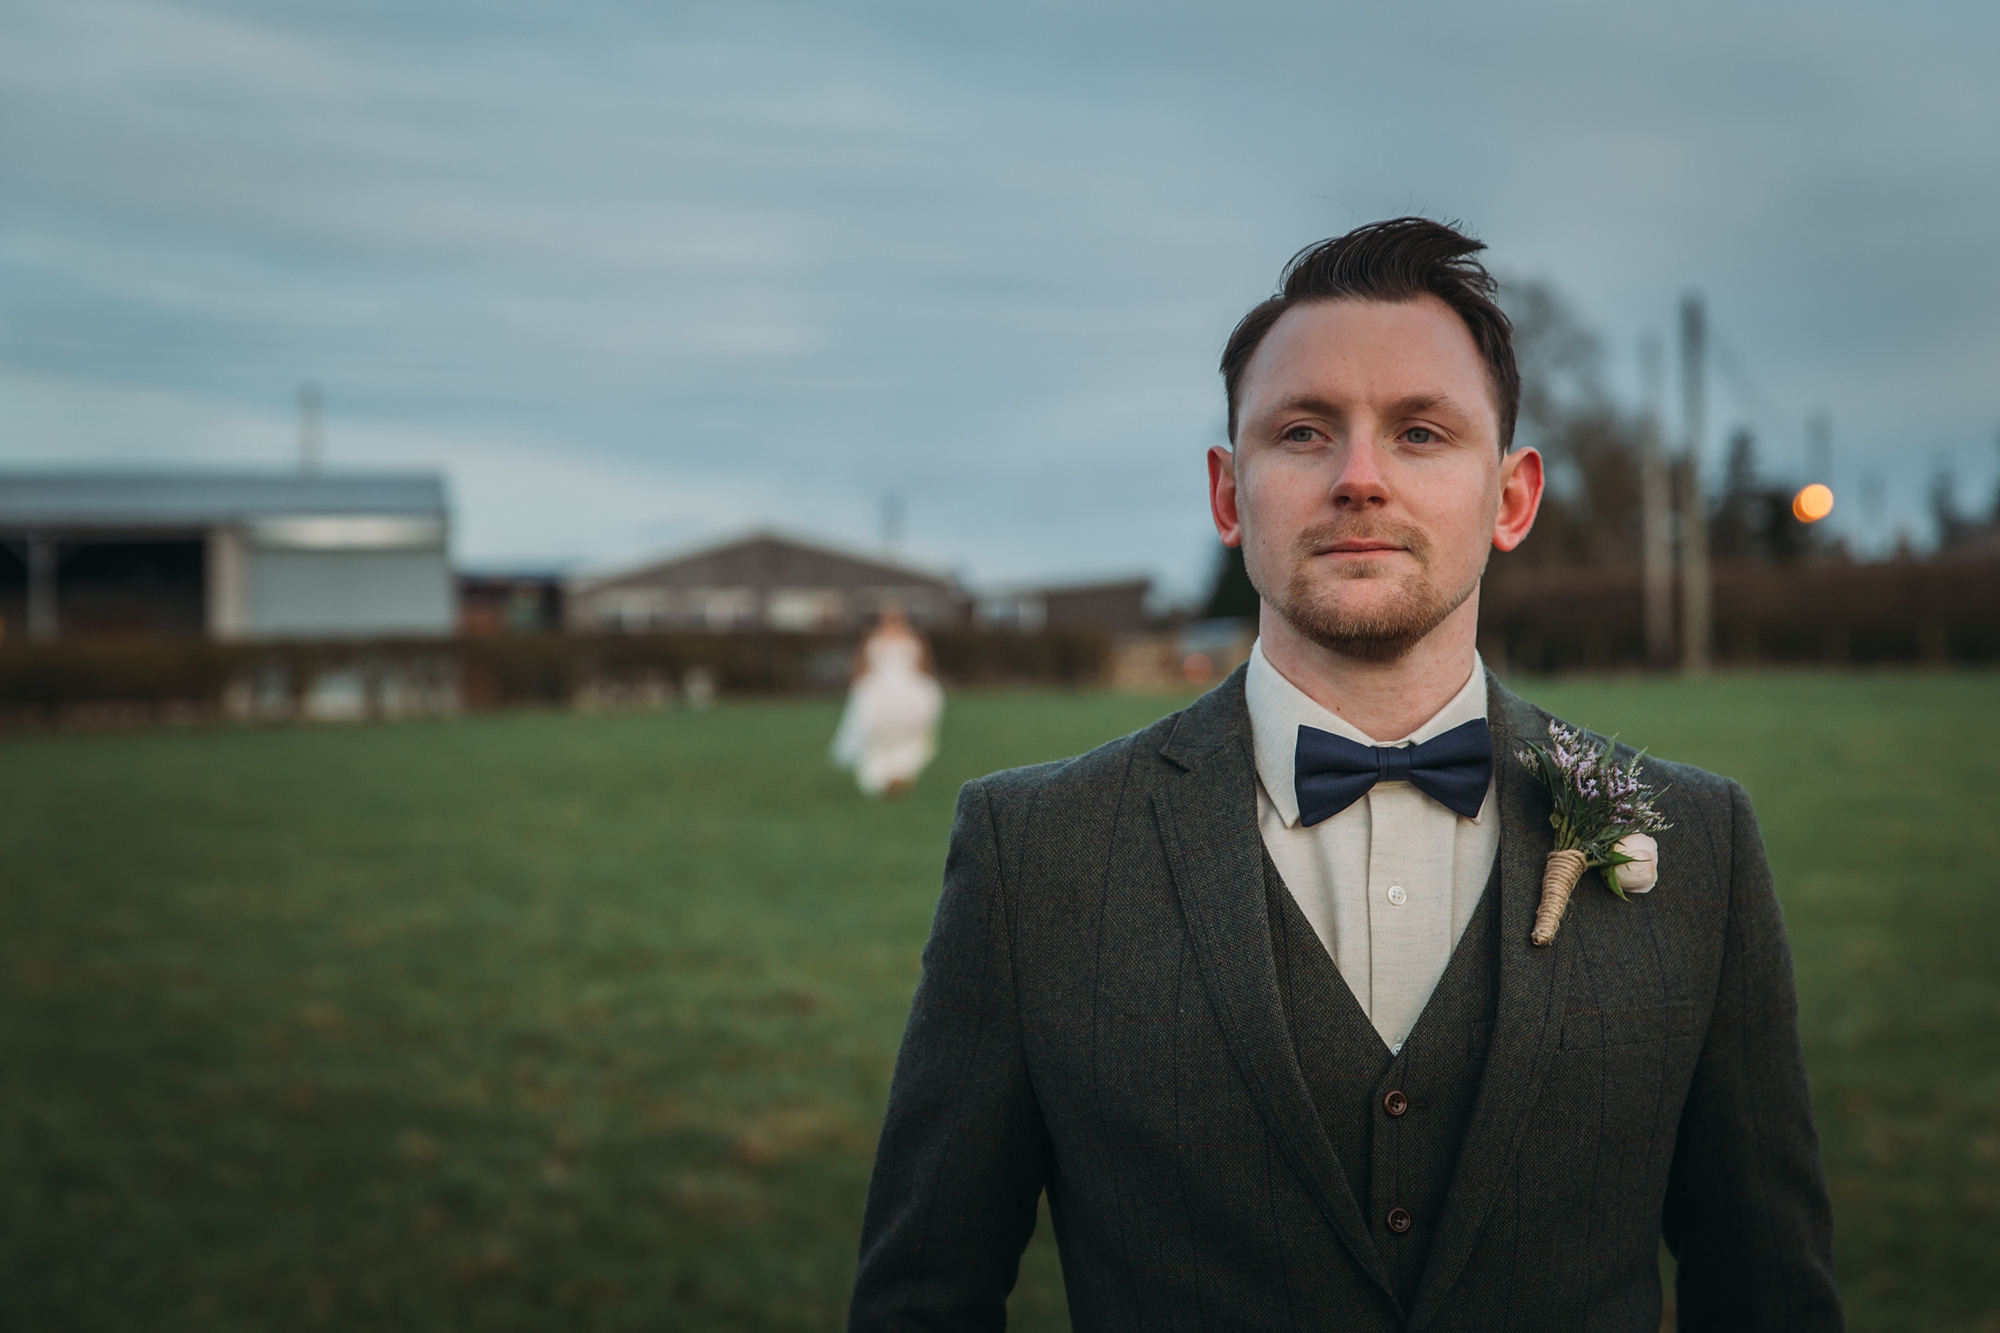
(548, 1021)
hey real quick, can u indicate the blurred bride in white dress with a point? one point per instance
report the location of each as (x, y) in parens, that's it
(889, 731)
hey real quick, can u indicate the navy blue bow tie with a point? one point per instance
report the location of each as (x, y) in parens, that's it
(1330, 772)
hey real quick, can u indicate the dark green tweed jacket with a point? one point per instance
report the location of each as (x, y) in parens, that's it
(1100, 1018)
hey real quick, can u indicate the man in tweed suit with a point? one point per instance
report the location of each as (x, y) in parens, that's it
(1282, 1061)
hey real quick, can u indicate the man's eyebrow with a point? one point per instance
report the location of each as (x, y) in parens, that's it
(1418, 404)
(1306, 402)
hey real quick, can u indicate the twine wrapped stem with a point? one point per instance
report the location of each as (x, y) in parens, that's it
(1565, 868)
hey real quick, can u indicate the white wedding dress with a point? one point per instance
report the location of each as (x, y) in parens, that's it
(889, 731)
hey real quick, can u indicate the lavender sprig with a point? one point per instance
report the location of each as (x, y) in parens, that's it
(1595, 800)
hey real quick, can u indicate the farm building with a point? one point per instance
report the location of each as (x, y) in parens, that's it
(763, 581)
(495, 601)
(223, 555)
(1117, 607)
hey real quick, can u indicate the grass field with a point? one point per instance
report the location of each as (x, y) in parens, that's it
(547, 1021)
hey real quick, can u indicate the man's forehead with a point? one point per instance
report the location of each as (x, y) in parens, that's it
(1401, 350)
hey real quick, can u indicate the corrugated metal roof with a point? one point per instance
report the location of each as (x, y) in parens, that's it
(198, 499)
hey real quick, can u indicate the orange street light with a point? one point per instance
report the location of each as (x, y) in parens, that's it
(1813, 503)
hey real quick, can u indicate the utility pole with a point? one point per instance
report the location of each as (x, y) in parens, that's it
(312, 420)
(1656, 506)
(1996, 490)
(1697, 586)
(1819, 448)
(41, 587)
(892, 523)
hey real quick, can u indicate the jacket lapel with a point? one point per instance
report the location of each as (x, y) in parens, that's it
(1208, 825)
(1529, 1020)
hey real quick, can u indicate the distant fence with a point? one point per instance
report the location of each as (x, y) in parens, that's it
(1832, 613)
(127, 681)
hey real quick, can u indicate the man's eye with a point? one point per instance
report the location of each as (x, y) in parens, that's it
(1420, 435)
(1300, 434)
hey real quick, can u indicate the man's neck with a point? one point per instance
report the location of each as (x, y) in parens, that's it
(1384, 700)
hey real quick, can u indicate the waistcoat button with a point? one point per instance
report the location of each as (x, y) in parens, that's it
(1399, 1220)
(1395, 1103)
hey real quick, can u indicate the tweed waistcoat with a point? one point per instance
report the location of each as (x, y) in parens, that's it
(1402, 1158)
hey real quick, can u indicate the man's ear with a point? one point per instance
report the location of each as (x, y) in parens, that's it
(1520, 498)
(1222, 496)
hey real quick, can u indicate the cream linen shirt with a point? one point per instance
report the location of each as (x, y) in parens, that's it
(1390, 883)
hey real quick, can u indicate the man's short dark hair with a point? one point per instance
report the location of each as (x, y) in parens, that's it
(1398, 260)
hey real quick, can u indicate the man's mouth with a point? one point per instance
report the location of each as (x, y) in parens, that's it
(1359, 546)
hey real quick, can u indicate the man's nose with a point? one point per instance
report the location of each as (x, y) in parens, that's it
(1359, 483)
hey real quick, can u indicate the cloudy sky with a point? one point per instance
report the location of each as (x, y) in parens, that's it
(639, 274)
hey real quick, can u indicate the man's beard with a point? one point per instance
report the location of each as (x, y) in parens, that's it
(1384, 633)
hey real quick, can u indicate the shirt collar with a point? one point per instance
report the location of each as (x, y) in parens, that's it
(1279, 708)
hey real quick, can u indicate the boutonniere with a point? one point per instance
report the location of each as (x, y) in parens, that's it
(1604, 819)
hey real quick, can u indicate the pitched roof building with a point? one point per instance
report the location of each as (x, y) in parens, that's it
(764, 581)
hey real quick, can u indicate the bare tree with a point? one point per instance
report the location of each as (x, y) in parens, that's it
(1592, 447)
(1954, 527)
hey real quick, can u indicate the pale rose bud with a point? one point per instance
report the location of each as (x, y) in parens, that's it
(1639, 874)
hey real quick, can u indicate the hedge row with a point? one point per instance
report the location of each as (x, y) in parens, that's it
(1826, 613)
(47, 680)
(1535, 620)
